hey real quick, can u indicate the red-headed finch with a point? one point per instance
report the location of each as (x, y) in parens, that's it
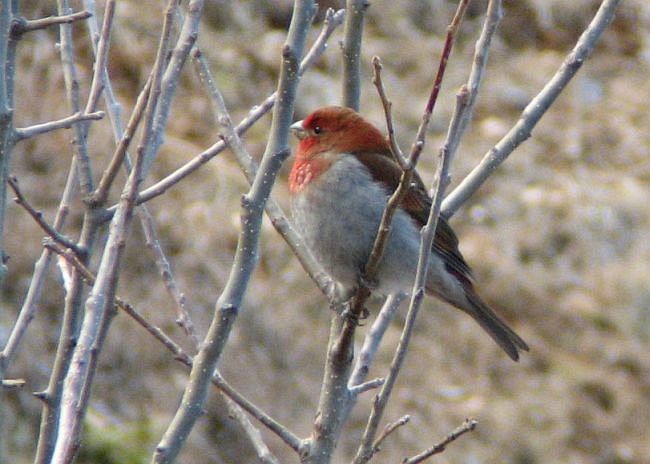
(340, 181)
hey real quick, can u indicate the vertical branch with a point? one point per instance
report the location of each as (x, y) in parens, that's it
(465, 108)
(188, 34)
(335, 396)
(7, 138)
(229, 302)
(366, 448)
(374, 337)
(353, 32)
(79, 146)
(99, 305)
(7, 132)
(80, 175)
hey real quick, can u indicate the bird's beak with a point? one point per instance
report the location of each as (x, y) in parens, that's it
(298, 130)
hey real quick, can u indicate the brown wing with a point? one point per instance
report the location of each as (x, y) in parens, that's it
(418, 203)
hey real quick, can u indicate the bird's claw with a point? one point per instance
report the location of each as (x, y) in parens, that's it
(353, 314)
(340, 306)
(353, 317)
(367, 282)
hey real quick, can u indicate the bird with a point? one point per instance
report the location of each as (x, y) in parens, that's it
(340, 181)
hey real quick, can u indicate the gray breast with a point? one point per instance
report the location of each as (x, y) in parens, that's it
(338, 216)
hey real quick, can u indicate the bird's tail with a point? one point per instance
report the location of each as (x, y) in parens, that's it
(505, 337)
(473, 305)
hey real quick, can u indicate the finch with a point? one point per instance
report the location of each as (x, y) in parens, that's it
(339, 185)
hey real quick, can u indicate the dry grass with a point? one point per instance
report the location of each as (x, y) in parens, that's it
(559, 239)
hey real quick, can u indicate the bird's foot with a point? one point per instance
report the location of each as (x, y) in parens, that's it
(367, 282)
(353, 317)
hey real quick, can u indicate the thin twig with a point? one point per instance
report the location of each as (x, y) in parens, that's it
(101, 57)
(21, 26)
(171, 77)
(30, 303)
(12, 384)
(365, 451)
(389, 429)
(253, 434)
(64, 123)
(70, 75)
(387, 105)
(465, 105)
(467, 426)
(534, 111)
(100, 195)
(38, 217)
(373, 384)
(373, 338)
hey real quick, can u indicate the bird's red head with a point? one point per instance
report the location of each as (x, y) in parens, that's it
(337, 129)
(325, 135)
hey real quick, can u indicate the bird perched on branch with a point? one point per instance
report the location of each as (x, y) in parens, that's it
(339, 184)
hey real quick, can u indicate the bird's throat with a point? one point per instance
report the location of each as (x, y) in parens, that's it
(305, 171)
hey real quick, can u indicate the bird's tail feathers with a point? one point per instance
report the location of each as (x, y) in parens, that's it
(505, 337)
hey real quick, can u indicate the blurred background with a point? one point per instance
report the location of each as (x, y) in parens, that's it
(559, 239)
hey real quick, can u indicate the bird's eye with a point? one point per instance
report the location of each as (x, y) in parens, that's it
(318, 130)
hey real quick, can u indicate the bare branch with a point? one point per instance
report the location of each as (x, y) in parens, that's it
(21, 25)
(467, 426)
(366, 386)
(79, 146)
(80, 176)
(254, 436)
(467, 95)
(99, 305)
(387, 104)
(319, 46)
(229, 302)
(249, 168)
(29, 306)
(101, 56)
(64, 123)
(353, 32)
(374, 337)
(38, 217)
(389, 429)
(12, 384)
(534, 111)
(108, 177)
(333, 19)
(180, 355)
(365, 451)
